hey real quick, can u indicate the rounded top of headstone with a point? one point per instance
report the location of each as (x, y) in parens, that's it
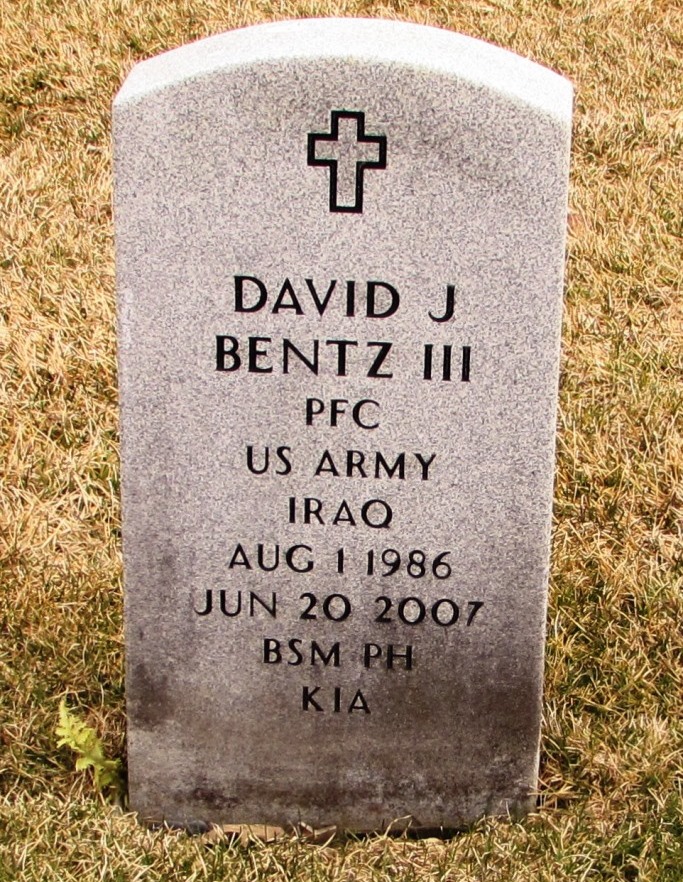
(363, 40)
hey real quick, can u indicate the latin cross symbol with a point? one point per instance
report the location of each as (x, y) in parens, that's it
(347, 151)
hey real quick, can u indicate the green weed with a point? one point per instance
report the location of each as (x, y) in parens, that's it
(83, 740)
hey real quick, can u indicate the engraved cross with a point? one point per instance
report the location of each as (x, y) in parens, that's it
(347, 151)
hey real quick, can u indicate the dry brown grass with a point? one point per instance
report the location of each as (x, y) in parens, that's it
(611, 802)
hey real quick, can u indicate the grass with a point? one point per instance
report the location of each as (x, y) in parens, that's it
(611, 790)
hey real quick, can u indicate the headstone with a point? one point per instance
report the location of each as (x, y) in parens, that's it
(340, 260)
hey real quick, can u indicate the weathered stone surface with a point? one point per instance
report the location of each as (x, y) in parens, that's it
(361, 696)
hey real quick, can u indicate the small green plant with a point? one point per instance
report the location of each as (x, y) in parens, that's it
(83, 740)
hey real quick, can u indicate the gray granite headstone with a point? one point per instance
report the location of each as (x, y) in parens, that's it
(340, 261)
